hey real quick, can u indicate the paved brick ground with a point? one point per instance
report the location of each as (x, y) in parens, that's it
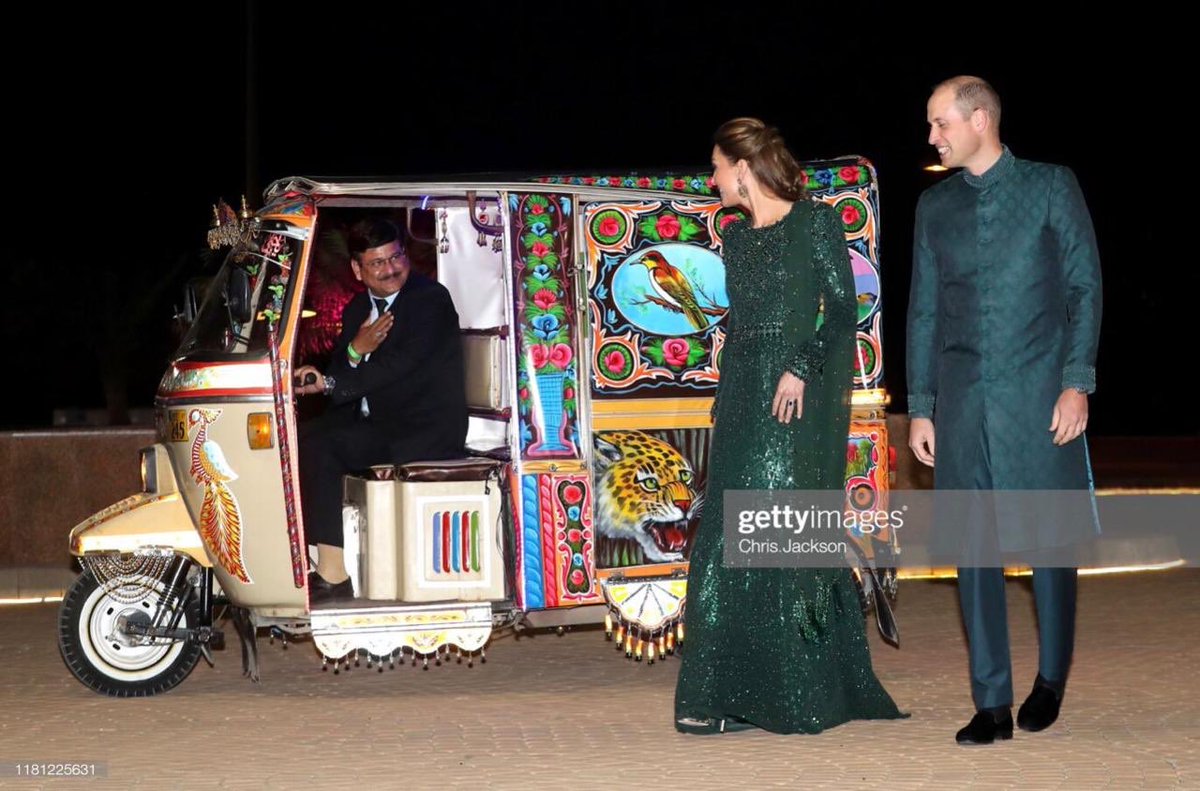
(555, 712)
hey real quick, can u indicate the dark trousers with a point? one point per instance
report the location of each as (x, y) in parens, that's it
(336, 445)
(985, 613)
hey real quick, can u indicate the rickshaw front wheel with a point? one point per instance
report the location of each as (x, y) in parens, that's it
(99, 651)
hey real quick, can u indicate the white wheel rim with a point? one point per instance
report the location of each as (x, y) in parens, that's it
(107, 650)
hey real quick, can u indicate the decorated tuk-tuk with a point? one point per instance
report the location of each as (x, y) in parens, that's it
(589, 378)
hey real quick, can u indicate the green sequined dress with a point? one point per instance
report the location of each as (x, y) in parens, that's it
(784, 649)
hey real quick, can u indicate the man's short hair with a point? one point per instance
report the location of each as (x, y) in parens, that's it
(372, 232)
(974, 93)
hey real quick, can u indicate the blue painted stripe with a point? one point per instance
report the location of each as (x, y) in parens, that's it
(531, 544)
(455, 542)
(436, 541)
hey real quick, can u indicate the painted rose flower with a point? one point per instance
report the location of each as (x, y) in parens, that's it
(609, 226)
(675, 352)
(560, 355)
(545, 326)
(614, 361)
(540, 355)
(544, 298)
(667, 226)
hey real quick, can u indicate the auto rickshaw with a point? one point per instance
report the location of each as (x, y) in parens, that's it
(576, 370)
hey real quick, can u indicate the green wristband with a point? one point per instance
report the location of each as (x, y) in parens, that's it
(354, 356)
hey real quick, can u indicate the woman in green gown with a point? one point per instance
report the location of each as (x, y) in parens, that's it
(777, 648)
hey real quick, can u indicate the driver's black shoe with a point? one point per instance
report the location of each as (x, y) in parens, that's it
(321, 592)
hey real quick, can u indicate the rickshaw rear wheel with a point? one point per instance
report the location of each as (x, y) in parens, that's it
(112, 662)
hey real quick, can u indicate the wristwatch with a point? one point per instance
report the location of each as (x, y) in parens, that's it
(330, 383)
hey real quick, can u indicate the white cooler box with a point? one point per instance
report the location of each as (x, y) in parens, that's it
(430, 531)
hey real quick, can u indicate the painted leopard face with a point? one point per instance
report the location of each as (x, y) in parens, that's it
(645, 491)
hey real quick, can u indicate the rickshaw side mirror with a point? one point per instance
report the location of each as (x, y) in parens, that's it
(237, 295)
(191, 301)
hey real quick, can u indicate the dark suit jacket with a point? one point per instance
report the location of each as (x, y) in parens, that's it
(414, 381)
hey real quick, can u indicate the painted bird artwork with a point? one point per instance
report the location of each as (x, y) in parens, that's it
(675, 291)
(220, 516)
(866, 303)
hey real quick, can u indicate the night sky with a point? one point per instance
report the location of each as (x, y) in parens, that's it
(125, 128)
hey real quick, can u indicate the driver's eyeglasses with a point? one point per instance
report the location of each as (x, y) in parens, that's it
(380, 263)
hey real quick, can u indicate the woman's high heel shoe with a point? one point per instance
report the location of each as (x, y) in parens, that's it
(712, 725)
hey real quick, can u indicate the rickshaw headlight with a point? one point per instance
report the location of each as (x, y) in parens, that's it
(149, 470)
(258, 431)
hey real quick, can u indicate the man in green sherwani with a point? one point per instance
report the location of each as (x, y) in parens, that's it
(1003, 325)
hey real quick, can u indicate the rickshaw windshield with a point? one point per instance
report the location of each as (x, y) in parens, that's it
(246, 296)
